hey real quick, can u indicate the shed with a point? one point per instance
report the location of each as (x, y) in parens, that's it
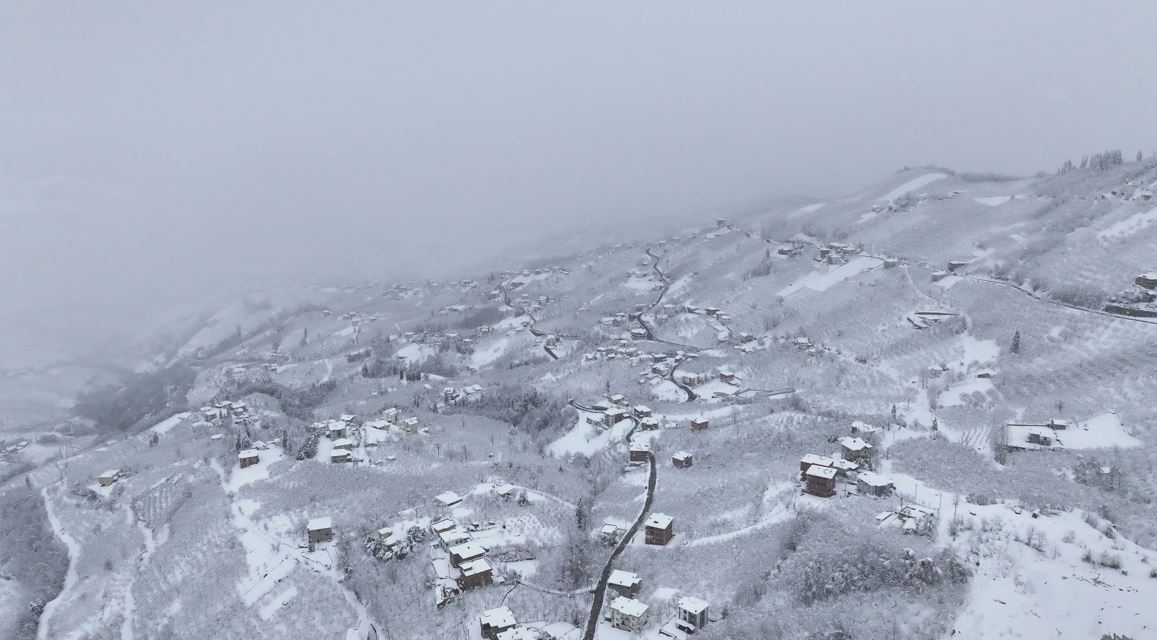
(343, 443)
(681, 459)
(699, 424)
(609, 534)
(447, 498)
(443, 525)
(641, 411)
(340, 455)
(108, 477)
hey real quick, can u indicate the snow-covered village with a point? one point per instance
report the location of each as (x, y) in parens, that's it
(923, 409)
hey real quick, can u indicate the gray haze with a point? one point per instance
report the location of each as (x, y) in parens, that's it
(151, 151)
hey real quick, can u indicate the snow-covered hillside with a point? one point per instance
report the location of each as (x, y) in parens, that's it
(923, 411)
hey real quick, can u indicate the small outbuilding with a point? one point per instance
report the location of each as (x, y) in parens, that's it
(108, 477)
(681, 459)
(699, 424)
(639, 452)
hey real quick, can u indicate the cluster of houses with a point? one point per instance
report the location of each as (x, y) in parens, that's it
(630, 614)
(616, 408)
(835, 252)
(467, 558)
(229, 412)
(455, 395)
(820, 473)
(392, 417)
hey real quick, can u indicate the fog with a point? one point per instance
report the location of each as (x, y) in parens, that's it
(157, 152)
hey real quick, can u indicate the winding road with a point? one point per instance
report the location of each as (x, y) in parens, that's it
(601, 589)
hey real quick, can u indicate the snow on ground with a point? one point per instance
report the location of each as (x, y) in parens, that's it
(912, 185)
(666, 391)
(978, 351)
(824, 280)
(1021, 592)
(954, 396)
(70, 577)
(1103, 431)
(414, 353)
(1128, 226)
(775, 510)
(588, 438)
(165, 425)
(811, 208)
(992, 201)
(282, 599)
(487, 354)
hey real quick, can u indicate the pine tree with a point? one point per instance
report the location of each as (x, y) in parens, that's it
(1015, 343)
(1139, 156)
(893, 413)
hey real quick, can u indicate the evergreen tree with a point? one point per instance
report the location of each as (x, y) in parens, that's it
(1015, 343)
(1139, 156)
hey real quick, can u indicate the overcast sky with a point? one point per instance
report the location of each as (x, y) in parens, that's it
(154, 149)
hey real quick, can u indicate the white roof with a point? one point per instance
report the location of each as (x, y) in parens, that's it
(874, 479)
(448, 498)
(468, 550)
(659, 520)
(681, 455)
(343, 442)
(501, 617)
(385, 532)
(346, 417)
(854, 444)
(339, 453)
(475, 567)
(622, 578)
(642, 408)
(640, 446)
(504, 489)
(629, 607)
(247, 453)
(609, 528)
(443, 525)
(111, 473)
(336, 426)
(821, 472)
(699, 419)
(812, 458)
(317, 524)
(519, 633)
(692, 605)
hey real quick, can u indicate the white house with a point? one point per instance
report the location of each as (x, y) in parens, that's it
(628, 614)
